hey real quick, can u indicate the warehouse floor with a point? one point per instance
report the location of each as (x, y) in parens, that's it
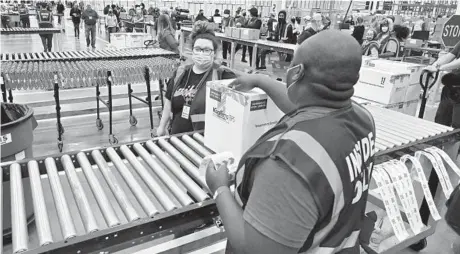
(80, 128)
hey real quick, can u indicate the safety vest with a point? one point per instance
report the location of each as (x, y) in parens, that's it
(198, 108)
(341, 144)
(45, 19)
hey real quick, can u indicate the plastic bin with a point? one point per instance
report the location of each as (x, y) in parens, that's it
(17, 126)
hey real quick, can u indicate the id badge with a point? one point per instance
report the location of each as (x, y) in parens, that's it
(90, 17)
(186, 112)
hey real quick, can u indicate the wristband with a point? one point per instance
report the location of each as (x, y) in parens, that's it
(219, 191)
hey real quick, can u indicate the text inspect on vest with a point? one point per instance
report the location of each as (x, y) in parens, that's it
(358, 165)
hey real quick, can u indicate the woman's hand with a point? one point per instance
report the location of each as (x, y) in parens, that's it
(161, 131)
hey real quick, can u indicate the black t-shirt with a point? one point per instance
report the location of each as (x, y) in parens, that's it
(180, 124)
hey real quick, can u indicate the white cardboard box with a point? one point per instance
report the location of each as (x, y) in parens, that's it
(384, 87)
(408, 107)
(414, 70)
(235, 120)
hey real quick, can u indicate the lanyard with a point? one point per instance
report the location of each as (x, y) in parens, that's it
(188, 96)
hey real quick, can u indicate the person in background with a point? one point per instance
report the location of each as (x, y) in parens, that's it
(151, 10)
(314, 25)
(116, 12)
(294, 30)
(358, 31)
(75, 13)
(298, 26)
(284, 34)
(297, 188)
(144, 11)
(138, 18)
(122, 9)
(185, 97)
(106, 9)
(239, 19)
(369, 46)
(384, 35)
(216, 14)
(90, 18)
(132, 11)
(60, 8)
(350, 21)
(45, 20)
(448, 112)
(253, 23)
(111, 23)
(166, 33)
(24, 16)
(271, 23)
(201, 17)
(227, 22)
(81, 5)
(394, 46)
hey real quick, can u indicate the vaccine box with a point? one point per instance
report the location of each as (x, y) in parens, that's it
(236, 32)
(383, 87)
(414, 70)
(250, 34)
(235, 120)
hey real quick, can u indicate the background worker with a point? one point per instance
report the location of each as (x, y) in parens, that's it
(90, 18)
(45, 20)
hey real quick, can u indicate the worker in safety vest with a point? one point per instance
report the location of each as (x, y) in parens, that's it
(24, 16)
(45, 20)
(303, 186)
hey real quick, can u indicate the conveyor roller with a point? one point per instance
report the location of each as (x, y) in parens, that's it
(116, 185)
(30, 30)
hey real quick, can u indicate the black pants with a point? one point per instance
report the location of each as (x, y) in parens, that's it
(243, 56)
(25, 22)
(111, 30)
(59, 18)
(47, 41)
(448, 112)
(226, 49)
(76, 29)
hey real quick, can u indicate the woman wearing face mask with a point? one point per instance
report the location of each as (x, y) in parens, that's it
(370, 46)
(185, 98)
(384, 36)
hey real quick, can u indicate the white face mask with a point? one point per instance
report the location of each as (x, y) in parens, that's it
(384, 29)
(226, 15)
(201, 61)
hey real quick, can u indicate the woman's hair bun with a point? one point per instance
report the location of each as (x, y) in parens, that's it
(201, 28)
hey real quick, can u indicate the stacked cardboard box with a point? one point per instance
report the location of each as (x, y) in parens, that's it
(393, 85)
(242, 33)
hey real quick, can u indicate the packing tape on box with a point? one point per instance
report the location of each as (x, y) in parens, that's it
(406, 193)
(446, 185)
(226, 92)
(216, 160)
(385, 187)
(424, 183)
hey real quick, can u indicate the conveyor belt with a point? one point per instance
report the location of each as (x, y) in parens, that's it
(87, 55)
(72, 74)
(144, 189)
(32, 30)
(143, 183)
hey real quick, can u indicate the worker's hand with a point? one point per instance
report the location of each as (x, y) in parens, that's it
(217, 176)
(161, 131)
(244, 82)
(431, 68)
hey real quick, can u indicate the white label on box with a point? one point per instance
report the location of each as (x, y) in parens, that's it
(20, 156)
(5, 139)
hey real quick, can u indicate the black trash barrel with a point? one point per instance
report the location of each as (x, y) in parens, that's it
(17, 127)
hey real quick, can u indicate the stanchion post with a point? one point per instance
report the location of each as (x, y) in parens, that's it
(149, 98)
(98, 93)
(58, 111)
(109, 86)
(130, 92)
